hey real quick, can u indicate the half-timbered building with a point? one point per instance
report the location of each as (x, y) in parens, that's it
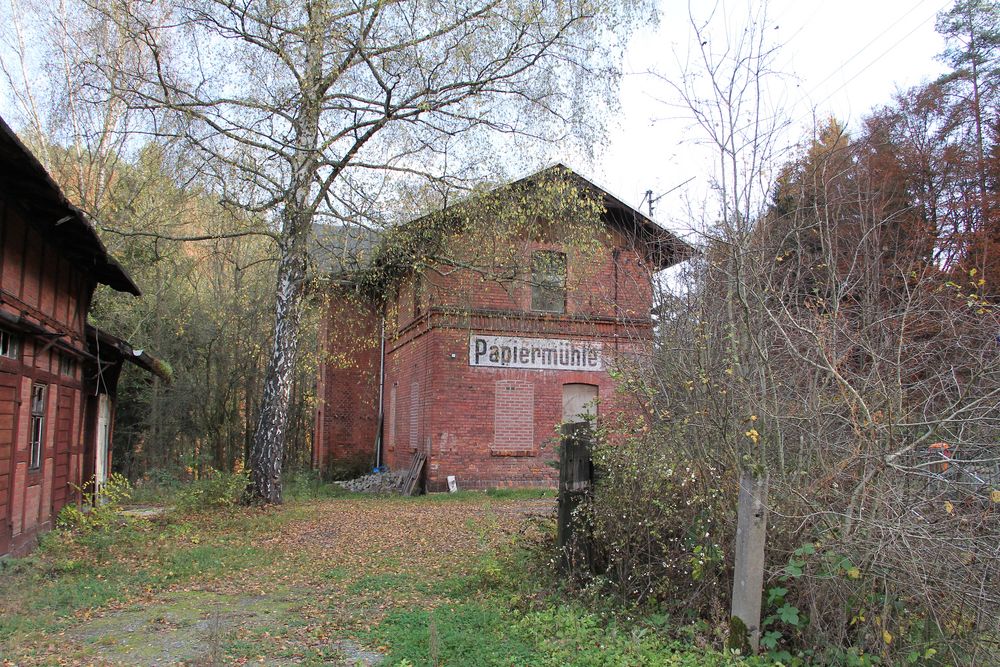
(56, 372)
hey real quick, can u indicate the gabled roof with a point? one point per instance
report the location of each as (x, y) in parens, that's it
(662, 246)
(338, 250)
(23, 179)
(346, 250)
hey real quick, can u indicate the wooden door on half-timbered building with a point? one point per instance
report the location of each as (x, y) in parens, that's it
(8, 429)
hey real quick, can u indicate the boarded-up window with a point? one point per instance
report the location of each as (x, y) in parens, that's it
(414, 415)
(392, 417)
(548, 281)
(579, 402)
(418, 295)
(514, 417)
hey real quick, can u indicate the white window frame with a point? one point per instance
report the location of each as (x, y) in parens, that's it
(36, 434)
(10, 344)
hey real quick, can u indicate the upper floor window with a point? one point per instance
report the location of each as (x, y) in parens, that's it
(9, 345)
(418, 295)
(67, 365)
(37, 433)
(548, 281)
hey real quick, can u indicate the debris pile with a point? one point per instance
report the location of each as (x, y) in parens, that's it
(378, 482)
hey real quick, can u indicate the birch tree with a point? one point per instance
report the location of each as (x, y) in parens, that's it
(321, 109)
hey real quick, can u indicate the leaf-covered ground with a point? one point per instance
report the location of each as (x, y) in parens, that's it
(339, 581)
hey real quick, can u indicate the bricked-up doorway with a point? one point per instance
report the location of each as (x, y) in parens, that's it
(579, 402)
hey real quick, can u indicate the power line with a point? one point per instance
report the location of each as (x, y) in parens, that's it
(868, 66)
(875, 39)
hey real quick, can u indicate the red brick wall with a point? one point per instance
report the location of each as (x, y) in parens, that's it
(347, 414)
(464, 434)
(489, 427)
(409, 366)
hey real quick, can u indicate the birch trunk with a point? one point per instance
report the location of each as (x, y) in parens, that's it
(268, 448)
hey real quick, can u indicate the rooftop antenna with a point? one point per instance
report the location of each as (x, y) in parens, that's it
(648, 197)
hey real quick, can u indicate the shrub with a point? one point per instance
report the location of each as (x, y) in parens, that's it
(101, 506)
(158, 485)
(216, 489)
(660, 526)
(307, 485)
(349, 467)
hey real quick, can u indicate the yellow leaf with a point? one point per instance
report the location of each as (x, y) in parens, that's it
(854, 573)
(995, 495)
(948, 507)
(887, 636)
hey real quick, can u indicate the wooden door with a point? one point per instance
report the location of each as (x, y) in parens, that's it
(8, 429)
(103, 436)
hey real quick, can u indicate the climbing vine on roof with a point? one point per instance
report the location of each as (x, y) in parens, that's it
(488, 232)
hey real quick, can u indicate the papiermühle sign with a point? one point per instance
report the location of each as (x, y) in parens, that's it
(536, 353)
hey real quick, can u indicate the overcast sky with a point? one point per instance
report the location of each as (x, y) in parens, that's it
(842, 58)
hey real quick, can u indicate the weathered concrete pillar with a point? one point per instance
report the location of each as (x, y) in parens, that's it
(748, 580)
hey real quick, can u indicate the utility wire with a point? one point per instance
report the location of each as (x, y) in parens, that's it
(875, 39)
(866, 67)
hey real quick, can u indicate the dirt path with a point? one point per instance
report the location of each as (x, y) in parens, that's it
(329, 576)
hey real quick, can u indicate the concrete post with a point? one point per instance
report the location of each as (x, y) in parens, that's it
(748, 580)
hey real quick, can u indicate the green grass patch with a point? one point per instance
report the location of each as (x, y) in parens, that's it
(71, 572)
(470, 634)
(520, 494)
(456, 587)
(336, 574)
(488, 633)
(178, 579)
(208, 561)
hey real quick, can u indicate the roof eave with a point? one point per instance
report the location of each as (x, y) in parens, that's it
(66, 219)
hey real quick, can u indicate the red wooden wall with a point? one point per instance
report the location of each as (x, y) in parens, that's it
(45, 300)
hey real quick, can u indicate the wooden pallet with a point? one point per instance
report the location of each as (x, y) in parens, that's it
(412, 477)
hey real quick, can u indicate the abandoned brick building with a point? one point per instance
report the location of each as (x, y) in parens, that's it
(477, 371)
(57, 373)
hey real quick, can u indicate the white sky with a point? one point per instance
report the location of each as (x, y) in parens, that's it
(842, 58)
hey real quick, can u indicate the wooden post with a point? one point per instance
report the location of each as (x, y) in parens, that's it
(748, 580)
(576, 473)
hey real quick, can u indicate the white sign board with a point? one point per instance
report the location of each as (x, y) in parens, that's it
(555, 354)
